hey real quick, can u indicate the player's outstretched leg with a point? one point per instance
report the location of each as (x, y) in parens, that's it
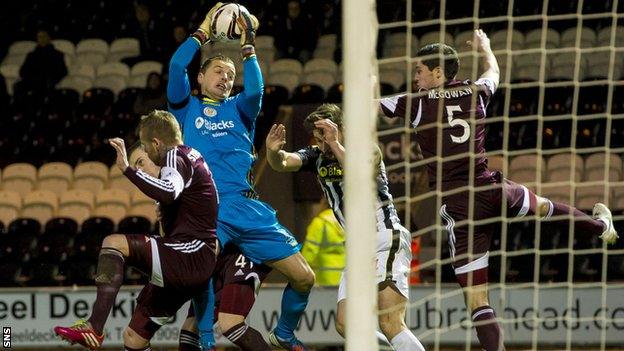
(294, 300)
(108, 280)
(601, 223)
(392, 306)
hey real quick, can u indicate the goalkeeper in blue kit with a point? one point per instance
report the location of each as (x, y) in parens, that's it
(221, 127)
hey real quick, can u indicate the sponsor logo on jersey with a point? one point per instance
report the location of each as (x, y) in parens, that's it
(199, 122)
(210, 112)
(202, 123)
(332, 172)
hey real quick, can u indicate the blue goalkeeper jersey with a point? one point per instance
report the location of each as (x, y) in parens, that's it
(222, 131)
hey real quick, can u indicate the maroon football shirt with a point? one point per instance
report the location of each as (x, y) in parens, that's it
(459, 108)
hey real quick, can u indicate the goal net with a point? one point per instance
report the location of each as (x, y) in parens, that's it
(556, 125)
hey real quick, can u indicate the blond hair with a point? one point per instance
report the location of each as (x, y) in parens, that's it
(161, 125)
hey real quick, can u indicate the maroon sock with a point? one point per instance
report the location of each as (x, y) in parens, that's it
(108, 280)
(583, 223)
(488, 330)
(146, 348)
(247, 338)
(188, 341)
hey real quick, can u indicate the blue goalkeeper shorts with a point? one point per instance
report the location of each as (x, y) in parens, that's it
(252, 226)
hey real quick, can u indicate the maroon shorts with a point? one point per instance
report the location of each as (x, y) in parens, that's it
(469, 242)
(178, 270)
(236, 281)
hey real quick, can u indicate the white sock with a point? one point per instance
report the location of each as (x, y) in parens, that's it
(406, 341)
(381, 337)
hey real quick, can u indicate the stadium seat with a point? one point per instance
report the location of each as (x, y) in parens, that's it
(76, 83)
(19, 177)
(324, 53)
(291, 66)
(327, 41)
(91, 176)
(95, 102)
(308, 94)
(146, 67)
(76, 204)
(558, 193)
(604, 36)
(123, 48)
(322, 79)
(10, 72)
(285, 79)
(595, 167)
(82, 70)
(533, 39)
(588, 195)
(587, 268)
(527, 66)
(113, 69)
(90, 58)
(142, 205)
(334, 94)
(64, 46)
(21, 47)
(40, 205)
(592, 99)
(460, 41)
(112, 203)
(321, 65)
(392, 77)
(140, 81)
(116, 180)
(8, 274)
(591, 133)
(10, 205)
(113, 83)
(92, 45)
(135, 225)
(264, 41)
(617, 199)
(55, 177)
(498, 39)
(560, 166)
(496, 163)
(98, 227)
(62, 102)
(14, 60)
(588, 37)
(558, 100)
(432, 37)
(527, 169)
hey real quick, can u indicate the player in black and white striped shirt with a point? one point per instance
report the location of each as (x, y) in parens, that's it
(393, 240)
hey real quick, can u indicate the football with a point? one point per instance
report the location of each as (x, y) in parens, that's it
(223, 22)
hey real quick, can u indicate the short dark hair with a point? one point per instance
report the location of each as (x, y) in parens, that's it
(325, 111)
(432, 56)
(211, 59)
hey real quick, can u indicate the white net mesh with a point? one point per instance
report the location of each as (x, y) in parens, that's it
(556, 125)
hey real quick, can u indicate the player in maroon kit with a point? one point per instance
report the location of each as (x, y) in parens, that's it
(180, 262)
(236, 283)
(459, 107)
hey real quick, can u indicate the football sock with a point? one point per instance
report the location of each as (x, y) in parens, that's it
(582, 223)
(188, 341)
(488, 331)
(293, 305)
(247, 338)
(108, 279)
(406, 341)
